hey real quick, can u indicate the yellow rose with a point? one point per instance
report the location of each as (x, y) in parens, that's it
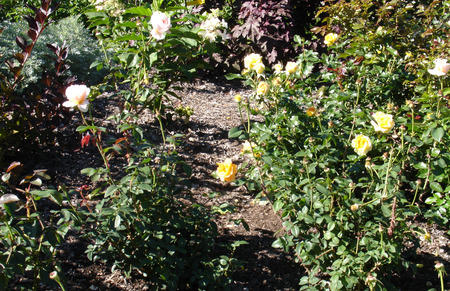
(259, 68)
(251, 60)
(311, 111)
(263, 88)
(278, 68)
(276, 81)
(330, 38)
(291, 67)
(226, 171)
(361, 144)
(383, 122)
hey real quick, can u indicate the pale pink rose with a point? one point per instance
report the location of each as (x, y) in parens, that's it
(77, 95)
(161, 25)
(441, 67)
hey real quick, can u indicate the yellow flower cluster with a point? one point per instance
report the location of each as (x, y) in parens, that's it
(254, 62)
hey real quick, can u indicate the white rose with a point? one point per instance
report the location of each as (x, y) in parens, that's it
(161, 25)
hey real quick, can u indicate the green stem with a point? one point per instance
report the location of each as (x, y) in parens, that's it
(354, 111)
(438, 112)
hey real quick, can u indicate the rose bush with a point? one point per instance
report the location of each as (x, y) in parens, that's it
(355, 145)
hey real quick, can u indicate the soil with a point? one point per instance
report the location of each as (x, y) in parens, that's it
(204, 143)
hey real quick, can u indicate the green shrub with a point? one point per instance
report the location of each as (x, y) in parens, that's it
(83, 49)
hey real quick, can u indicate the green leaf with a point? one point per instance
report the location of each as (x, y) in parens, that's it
(110, 190)
(278, 205)
(233, 76)
(234, 132)
(322, 189)
(139, 11)
(436, 186)
(437, 134)
(117, 221)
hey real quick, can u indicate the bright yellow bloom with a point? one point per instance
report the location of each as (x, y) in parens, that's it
(330, 38)
(441, 67)
(291, 67)
(383, 122)
(361, 144)
(226, 171)
(311, 111)
(251, 60)
(238, 98)
(263, 88)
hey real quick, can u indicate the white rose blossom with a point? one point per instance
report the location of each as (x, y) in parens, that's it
(161, 25)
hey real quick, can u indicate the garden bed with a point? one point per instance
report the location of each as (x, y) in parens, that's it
(204, 143)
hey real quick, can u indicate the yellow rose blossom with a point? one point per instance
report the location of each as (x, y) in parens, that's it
(441, 67)
(259, 68)
(383, 122)
(238, 98)
(330, 38)
(226, 171)
(251, 60)
(278, 68)
(311, 111)
(263, 88)
(291, 67)
(276, 81)
(361, 144)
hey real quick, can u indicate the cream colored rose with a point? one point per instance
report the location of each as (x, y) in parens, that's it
(226, 171)
(383, 122)
(77, 95)
(441, 67)
(263, 88)
(361, 144)
(161, 25)
(252, 60)
(291, 68)
(330, 38)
